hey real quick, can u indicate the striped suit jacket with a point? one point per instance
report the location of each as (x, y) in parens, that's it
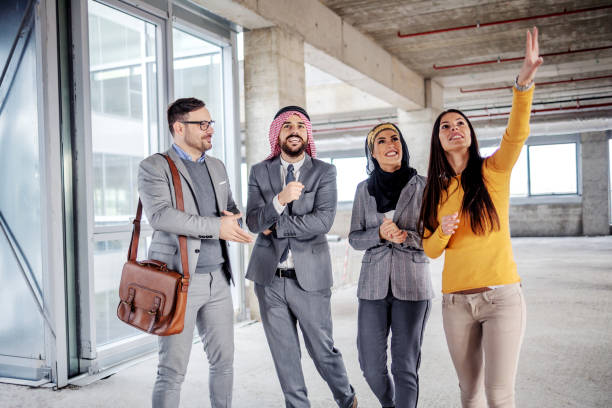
(405, 265)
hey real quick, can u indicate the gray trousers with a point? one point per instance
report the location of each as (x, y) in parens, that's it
(209, 308)
(284, 303)
(406, 321)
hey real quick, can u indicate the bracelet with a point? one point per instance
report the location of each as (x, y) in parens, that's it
(522, 88)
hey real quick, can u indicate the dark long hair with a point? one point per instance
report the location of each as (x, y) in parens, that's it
(477, 203)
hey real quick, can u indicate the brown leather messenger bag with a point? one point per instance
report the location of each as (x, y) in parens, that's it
(153, 297)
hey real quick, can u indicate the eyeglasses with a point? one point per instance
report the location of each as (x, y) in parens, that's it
(204, 125)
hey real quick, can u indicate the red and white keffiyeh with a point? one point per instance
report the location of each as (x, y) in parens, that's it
(275, 129)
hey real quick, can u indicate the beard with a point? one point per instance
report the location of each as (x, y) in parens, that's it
(293, 151)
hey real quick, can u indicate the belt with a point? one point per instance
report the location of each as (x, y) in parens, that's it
(472, 291)
(286, 273)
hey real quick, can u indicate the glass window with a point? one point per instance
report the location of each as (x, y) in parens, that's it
(198, 73)
(518, 179)
(519, 187)
(124, 108)
(21, 325)
(244, 178)
(552, 169)
(488, 151)
(109, 256)
(124, 118)
(350, 172)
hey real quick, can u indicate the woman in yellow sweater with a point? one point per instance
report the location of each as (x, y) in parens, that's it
(465, 214)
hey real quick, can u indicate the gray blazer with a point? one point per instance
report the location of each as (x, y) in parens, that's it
(158, 201)
(404, 264)
(312, 217)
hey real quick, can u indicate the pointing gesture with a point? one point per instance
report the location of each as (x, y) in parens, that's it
(532, 59)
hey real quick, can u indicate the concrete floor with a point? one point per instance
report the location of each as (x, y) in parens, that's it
(565, 361)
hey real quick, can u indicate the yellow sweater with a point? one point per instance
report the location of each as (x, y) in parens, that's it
(474, 261)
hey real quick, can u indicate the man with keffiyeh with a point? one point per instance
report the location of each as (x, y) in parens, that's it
(291, 206)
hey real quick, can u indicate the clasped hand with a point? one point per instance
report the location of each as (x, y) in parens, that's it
(389, 231)
(290, 193)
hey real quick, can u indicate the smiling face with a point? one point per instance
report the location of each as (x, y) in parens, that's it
(388, 150)
(293, 136)
(190, 137)
(454, 133)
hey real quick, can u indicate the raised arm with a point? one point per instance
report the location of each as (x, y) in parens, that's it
(518, 123)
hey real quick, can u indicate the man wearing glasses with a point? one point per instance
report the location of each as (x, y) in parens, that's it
(210, 219)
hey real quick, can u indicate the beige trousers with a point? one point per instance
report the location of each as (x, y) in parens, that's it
(484, 332)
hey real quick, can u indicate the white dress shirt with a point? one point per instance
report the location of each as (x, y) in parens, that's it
(288, 264)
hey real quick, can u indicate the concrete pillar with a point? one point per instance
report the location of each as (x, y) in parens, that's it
(595, 183)
(416, 126)
(274, 77)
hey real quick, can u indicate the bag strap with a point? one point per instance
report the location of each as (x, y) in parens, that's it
(178, 193)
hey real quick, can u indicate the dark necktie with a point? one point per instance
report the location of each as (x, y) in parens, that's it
(288, 179)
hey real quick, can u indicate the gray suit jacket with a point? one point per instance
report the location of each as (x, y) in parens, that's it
(158, 201)
(312, 217)
(404, 264)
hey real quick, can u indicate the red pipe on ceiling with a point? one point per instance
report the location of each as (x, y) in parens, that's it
(498, 60)
(538, 83)
(563, 108)
(514, 20)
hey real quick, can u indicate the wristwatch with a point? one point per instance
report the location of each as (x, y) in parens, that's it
(522, 88)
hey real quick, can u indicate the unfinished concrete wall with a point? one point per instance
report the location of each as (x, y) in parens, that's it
(273, 77)
(595, 183)
(546, 220)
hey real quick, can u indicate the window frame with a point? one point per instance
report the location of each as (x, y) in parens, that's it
(94, 357)
(343, 154)
(545, 141)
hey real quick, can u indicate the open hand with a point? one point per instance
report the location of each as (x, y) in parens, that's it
(450, 223)
(231, 231)
(532, 60)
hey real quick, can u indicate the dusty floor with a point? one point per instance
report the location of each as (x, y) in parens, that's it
(566, 359)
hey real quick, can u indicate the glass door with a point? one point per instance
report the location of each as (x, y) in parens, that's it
(127, 75)
(125, 81)
(22, 289)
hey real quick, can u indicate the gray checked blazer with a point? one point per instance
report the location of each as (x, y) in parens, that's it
(158, 202)
(406, 265)
(312, 217)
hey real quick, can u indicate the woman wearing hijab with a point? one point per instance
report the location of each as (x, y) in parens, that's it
(394, 283)
(465, 216)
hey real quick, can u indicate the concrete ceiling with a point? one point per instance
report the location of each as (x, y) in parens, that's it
(382, 20)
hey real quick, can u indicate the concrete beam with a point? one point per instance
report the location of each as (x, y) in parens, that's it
(333, 46)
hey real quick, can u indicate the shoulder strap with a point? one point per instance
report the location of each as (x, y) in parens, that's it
(178, 192)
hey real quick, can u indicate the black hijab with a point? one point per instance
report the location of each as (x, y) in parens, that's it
(386, 187)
